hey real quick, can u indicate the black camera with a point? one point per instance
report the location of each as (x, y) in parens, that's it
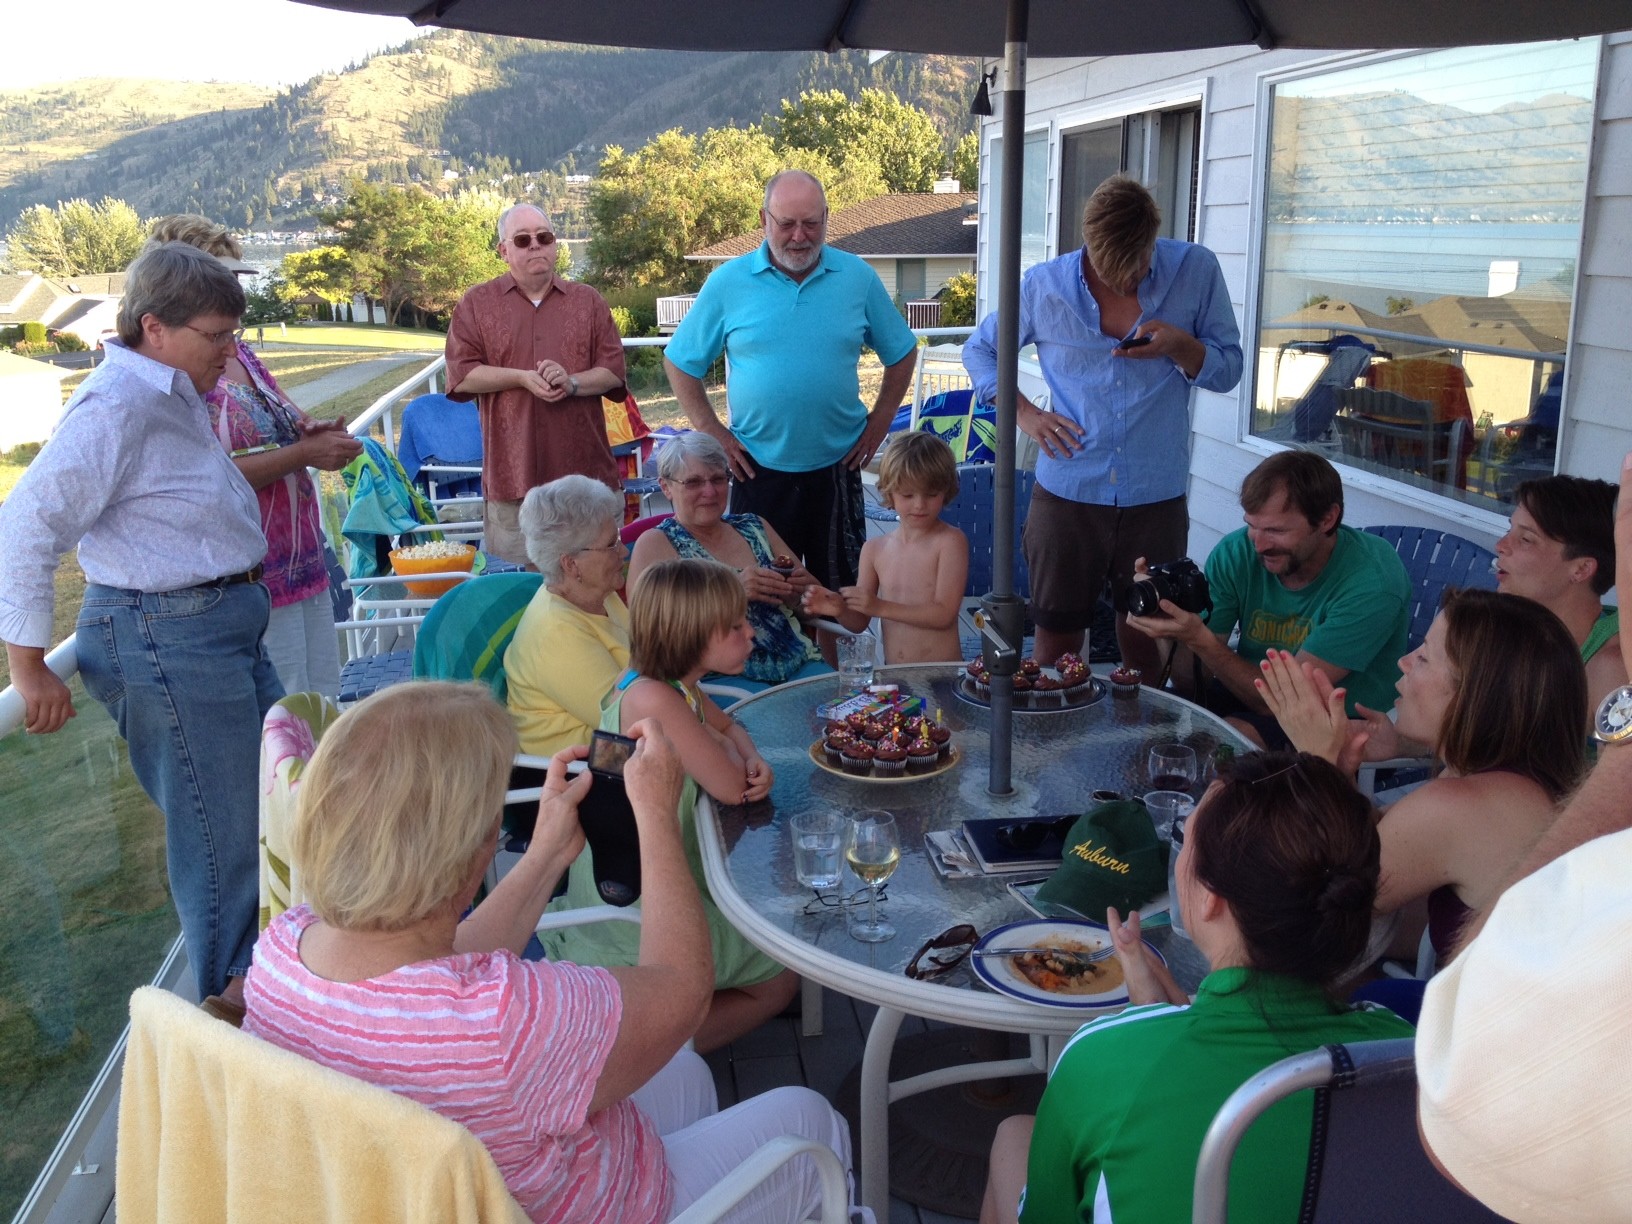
(1180, 582)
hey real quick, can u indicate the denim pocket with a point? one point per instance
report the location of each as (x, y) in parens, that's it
(175, 605)
(99, 667)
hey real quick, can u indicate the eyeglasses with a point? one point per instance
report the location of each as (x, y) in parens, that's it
(822, 901)
(617, 545)
(1027, 835)
(522, 241)
(219, 338)
(793, 223)
(943, 953)
(693, 483)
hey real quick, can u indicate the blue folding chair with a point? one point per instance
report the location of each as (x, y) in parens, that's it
(438, 432)
(1435, 561)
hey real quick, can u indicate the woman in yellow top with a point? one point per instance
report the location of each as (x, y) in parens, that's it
(573, 639)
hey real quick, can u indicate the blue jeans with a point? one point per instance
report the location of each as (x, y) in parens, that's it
(186, 681)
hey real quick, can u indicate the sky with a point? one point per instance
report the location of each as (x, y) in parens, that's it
(267, 42)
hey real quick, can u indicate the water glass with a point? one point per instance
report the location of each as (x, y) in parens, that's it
(1172, 767)
(856, 661)
(818, 848)
(1167, 808)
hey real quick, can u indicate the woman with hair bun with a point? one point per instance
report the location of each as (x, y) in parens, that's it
(1276, 882)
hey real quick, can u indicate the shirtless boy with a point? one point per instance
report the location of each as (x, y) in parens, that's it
(913, 578)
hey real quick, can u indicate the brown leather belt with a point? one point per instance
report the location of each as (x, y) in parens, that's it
(250, 575)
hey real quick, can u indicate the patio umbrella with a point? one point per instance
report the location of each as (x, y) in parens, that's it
(1014, 28)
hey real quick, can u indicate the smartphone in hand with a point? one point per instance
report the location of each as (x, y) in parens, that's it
(609, 822)
(1133, 342)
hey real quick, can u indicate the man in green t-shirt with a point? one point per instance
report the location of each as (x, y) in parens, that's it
(1294, 578)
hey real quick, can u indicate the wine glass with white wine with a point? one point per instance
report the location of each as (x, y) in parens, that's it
(873, 852)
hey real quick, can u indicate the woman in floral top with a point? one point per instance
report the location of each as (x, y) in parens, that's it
(273, 443)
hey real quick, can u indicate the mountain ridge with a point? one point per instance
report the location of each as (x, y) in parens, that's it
(479, 105)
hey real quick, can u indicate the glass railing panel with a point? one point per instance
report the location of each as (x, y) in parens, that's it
(85, 918)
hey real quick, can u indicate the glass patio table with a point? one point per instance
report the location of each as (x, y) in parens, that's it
(1059, 757)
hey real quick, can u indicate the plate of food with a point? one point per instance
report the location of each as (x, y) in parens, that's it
(1050, 965)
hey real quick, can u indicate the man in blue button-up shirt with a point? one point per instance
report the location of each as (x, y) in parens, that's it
(1124, 328)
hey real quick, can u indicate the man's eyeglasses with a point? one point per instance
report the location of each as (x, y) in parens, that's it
(793, 223)
(693, 483)
(942, 954)
(524, 240)
(232, 336)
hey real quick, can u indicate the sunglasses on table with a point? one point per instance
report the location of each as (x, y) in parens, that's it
(524, 240)
(942, 954)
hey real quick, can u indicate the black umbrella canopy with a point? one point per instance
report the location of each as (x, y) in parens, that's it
(976, 27)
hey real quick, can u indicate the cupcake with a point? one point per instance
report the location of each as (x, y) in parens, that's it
(875, 730)
(857, 759)
(1073, 674)
(1046, 693)
(1125, 682)
(1022, 691)
(857, 723)
(783, 564)
(942, 739)
(834, 745)
(922, 756)
(835, 726)
(1030, 668)
(911, 725)
(889, 759)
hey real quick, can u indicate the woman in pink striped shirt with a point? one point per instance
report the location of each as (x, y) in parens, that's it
(574, 1078)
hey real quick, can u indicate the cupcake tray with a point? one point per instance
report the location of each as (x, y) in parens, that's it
(818, 758)
(965, 690)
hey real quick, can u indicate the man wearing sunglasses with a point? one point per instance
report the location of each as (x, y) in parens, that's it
(536, 353)
(792, 318)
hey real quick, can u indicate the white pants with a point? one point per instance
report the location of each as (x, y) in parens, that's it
(703, 1146)
(301, 642)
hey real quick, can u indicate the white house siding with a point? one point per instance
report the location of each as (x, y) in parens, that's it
(938, 271)
(886, 273)
(1598, 402)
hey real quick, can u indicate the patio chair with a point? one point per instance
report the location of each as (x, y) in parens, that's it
(1365, 1160)
(440, 448)
(1390, 430)
(215, 1124)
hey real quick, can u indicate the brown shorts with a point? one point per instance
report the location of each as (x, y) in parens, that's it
(1073, 549)
(501, 532)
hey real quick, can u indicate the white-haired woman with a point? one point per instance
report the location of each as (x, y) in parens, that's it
(696, 478)
(573, 640)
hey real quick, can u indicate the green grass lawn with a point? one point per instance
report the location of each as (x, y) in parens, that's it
(350, 335)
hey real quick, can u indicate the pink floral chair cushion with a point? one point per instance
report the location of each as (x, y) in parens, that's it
(288, 739)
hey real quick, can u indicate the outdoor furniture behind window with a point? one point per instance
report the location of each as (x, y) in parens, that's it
(1365, 1160)
(1387, 429)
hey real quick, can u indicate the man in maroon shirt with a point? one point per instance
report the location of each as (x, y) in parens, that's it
(537, 354)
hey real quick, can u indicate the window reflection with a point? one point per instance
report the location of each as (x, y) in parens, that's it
(1421, 224)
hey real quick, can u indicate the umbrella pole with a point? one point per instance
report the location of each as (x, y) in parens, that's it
(1005, 612)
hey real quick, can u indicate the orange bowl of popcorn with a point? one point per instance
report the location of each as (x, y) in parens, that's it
(437, 557)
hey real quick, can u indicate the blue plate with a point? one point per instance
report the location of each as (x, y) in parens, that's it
(1000, 974)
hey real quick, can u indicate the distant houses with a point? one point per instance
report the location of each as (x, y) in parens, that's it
(915, 241)
(82, 305)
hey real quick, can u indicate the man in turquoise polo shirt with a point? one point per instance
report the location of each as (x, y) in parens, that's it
(792, 318)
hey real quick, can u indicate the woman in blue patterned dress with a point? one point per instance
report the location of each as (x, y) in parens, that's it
(696, 480)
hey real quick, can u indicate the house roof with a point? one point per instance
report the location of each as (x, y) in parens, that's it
(94, 284)
(910, 225)
(28, 298)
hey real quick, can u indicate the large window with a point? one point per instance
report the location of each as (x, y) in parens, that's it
(1422, 220)
(1033, 195)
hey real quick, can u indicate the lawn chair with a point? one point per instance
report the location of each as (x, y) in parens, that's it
(1365, 1160)
(215, 1124)
(440, 449)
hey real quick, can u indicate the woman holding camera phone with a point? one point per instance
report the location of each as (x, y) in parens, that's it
(573, 1078)
(688, 618)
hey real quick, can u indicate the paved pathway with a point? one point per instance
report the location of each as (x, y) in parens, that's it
(337, 382)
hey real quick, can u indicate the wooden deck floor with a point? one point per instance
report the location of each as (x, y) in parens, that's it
(778, 1054)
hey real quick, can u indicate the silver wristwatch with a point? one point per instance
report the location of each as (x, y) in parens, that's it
(1612, 724)
(572, 383)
